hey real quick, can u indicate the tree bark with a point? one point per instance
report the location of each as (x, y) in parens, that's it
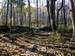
(65, 22)
(52, 10)
(49, 19)
(29, 14)
(73, 16)
(10, 13)
(37, 12)
(58, 13)
(6, 24)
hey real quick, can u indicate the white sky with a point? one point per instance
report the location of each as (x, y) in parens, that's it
(40, 2)
(1, 3)
(0, 0)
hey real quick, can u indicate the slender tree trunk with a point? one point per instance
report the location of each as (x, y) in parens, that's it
(7, 13)
(21, 15)
(53, 14)
(2, 15)
(14, 14)
(29, 14)
(65, 21)
(58, 13)
(24, 18)
(40, 18)
(73, 16)
(10, 13)
(49, 20)
(37, 12)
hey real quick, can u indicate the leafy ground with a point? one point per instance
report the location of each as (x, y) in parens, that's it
(26, 44)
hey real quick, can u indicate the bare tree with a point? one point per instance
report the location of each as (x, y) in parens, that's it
(37, 12)
(73, 16)
(58, 13)
(7, 12)
(11, 12)
(52, 11)
(29, 13)
(65, 22)
(48, 10)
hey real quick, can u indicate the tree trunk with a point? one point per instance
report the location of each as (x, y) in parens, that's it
(10, 13)
(52, 10)
(37, 12)
(29, 13)
(14, 14)
(49, 20)
(65, 22)
(58, 13)
(6, 24)
(21, 15)
(73, 16)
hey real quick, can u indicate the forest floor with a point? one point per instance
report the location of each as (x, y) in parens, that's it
(36, 45)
